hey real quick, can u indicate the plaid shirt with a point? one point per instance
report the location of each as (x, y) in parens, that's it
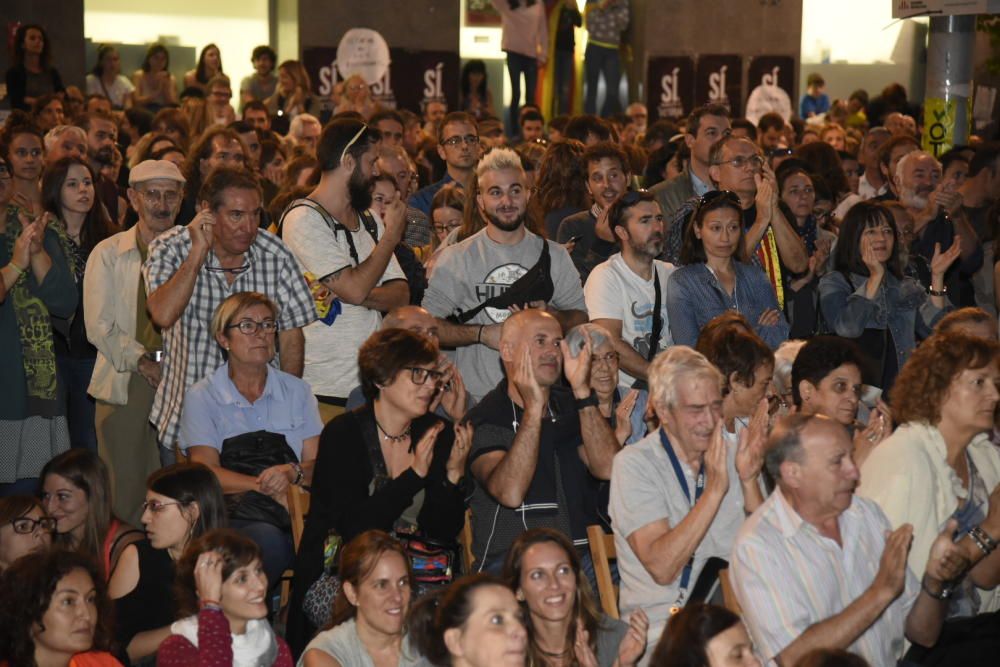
(190, 351)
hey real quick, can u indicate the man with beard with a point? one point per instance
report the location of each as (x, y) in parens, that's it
(192, 269)
(102, 133)
(129, 346)
(936, 208)
(627, 295)
(607, 179)
(458, 146)
(482, 267)
(346, 251)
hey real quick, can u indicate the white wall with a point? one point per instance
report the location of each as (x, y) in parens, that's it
(236, 26)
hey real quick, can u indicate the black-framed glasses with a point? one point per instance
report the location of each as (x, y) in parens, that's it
(420, 375)
(444, 229)
(756, 162)
(250, 327)
(236, 270)
(469, 139)
(25, 525)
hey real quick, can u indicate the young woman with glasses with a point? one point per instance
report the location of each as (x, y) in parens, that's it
(247, 408)
(715, 276)
(24, 528)
(183, 501)
(391, 465)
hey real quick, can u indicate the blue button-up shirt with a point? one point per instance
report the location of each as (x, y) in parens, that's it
(215, 410)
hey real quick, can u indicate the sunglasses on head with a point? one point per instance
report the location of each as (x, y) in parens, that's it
(714, 196)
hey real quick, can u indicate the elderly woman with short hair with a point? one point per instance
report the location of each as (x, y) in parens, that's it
(939, 464)
(255, 426)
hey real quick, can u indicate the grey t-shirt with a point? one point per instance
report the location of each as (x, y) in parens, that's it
(470, 272)
(343, 644)
(645, 489)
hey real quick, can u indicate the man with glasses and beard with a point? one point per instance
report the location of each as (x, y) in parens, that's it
(469, 275)
(129, 346)
(627, 294)
(191, 269)
(346, 251)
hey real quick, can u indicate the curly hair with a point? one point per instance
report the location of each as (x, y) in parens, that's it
(236, 551)
(26, 589)
(923, 383)
(734, 351)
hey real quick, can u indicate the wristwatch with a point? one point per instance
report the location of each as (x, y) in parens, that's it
(591, 400)
(298, 473)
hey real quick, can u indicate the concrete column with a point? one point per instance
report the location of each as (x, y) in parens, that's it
(949, 82)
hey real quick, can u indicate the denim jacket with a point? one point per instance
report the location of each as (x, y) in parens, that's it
(902, 305)
(694, 296)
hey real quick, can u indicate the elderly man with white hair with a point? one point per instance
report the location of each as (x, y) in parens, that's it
(679, 495)
(65, 141)
(938, 220)
(129, 347)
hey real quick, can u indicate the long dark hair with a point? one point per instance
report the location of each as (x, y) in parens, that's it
(860, 217)
(45, 59)
(562, 179)
(693, 250)
(87, 472)
(102, 50)
(189, 483)
(687, 634)
(584, 607)
(26, 589)
(199, 72)
(97, 226)
(473, 67)
(152, 51)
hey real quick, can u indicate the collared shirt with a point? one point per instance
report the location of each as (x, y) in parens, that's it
(700, 187)
(422, 198)
(644, 489)
(214, 410)
(190, 351)
(787, 577)
(868, 191)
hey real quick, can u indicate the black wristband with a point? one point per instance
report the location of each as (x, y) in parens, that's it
(591, 400)
(945, 594)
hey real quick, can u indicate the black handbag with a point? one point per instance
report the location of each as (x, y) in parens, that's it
(535, 285)
(252, 454)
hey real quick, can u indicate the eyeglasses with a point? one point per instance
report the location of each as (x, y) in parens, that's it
(155, 506)
(250, 327)
(469, 139)
(714, 196)
(396, 136)
(756, 162)
(442, 229)
(609, 359)
(26, 525)
(420, 375)
(169, 197)
(780, 152)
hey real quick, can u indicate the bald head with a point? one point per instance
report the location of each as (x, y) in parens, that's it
(538, 333)
(412, 318)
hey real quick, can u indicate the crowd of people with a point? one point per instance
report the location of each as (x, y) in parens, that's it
(763, 358)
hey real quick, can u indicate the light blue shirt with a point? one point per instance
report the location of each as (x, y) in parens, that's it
(215, 410)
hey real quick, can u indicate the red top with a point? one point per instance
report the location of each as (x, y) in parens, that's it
(215, 645)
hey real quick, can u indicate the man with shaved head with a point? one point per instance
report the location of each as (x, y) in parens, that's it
(536, 444)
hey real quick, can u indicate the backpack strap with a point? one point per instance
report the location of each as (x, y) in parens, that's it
(367, 221)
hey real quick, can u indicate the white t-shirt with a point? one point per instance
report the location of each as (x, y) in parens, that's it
(116, 92)
(614, 292)
(331, 354)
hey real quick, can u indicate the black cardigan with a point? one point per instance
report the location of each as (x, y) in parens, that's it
(340, 501)
(17, 86)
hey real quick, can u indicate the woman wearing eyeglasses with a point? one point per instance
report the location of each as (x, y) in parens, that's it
(183, 501)
(390, 465)
(24, 528)
(867, 297)
(256, 427)
(715, 276)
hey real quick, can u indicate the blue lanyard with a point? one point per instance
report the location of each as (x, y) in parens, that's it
(698, 489)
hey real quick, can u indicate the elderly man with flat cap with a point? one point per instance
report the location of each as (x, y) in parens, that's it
(128, 344)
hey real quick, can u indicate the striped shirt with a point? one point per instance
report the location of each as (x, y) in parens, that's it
(190, 352)
(787, 577)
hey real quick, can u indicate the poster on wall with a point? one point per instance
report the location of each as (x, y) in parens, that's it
(902, 9)
(771, 81)
(412, 79)
(719, 80)
(481, 14)
(670, 86)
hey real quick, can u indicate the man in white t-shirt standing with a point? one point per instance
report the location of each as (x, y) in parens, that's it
(622, 294)
(347, 253)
